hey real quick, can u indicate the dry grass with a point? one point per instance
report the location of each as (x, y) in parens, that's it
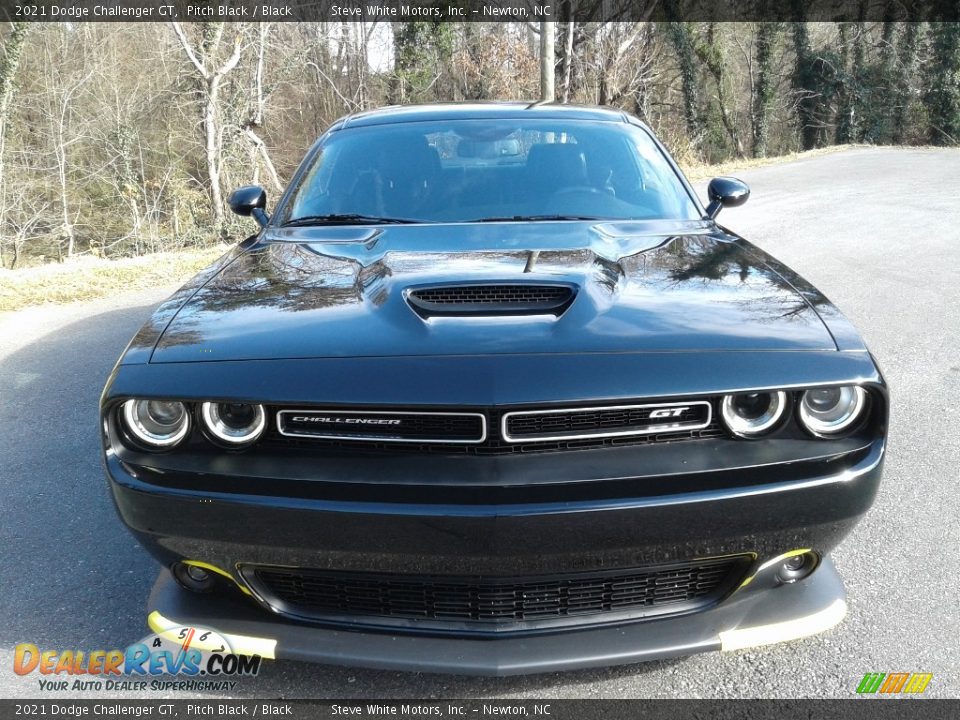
(704, 172)
(86, 278)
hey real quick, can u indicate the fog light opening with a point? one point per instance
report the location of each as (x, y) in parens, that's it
(797, 567)
(193, 578)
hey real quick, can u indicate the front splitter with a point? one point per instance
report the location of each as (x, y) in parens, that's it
(749, 618)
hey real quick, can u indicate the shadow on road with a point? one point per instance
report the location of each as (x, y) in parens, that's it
(71, 576)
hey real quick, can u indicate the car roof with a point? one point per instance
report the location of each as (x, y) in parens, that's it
(480, 111)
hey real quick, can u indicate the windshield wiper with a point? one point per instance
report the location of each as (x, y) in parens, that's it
(346, 219)
(537, 218)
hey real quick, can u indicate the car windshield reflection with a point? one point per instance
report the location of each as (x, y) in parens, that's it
(517, 170)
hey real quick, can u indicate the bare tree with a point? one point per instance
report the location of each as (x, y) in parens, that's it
(567, 62)
(548, 31)
(12, 49)
(212, 73)
(255, 120)
(621, 60)
(32, 209)
(65, 82)
(121, 138)
(764, 87)
(711, 52)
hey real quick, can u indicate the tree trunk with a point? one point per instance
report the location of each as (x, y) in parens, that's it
(882, 98)
(548, 32)
(679, 34)
(711, 55)
(805, 86)
(848, 82)
(860, 105)
(12, 50)
(942, 96)
(906, 77)
(212, 136)
(764, 87)
(68, 234)
(567, 59)
(212, 78)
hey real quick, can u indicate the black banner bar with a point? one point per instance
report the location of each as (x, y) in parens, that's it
(476, 10)
(885, 708)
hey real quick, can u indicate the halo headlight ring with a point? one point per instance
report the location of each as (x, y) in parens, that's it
(753, 425)
(231, 434)
(824, 420)
(155, 424)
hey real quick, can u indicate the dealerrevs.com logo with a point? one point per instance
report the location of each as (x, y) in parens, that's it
(200, 659)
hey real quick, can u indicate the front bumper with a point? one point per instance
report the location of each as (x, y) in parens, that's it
(748, 619)
(764, 521)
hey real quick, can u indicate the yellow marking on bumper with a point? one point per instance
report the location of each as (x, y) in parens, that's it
(239, 644)
(783, 631)
(218, 571)
(769, 563)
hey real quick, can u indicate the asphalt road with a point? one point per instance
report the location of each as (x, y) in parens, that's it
(876, 230)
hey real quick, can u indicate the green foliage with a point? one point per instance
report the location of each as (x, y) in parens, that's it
(419, 49)
(764, 93)
(942, 93)
(807, 85)
(904, 98)
(681, 37)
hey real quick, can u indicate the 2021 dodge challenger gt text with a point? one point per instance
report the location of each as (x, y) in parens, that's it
(491, 392)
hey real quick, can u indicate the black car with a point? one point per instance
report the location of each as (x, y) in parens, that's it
(492, 392)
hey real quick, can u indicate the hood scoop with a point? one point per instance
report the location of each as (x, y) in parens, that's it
(491, 299)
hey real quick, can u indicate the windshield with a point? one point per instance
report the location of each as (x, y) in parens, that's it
(488, 170)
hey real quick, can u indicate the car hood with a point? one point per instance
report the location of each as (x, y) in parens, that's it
(640, 286)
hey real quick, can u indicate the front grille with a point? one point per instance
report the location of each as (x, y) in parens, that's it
(569, 424)
(360, 425)
(491, 299)
(585, 597)
(619, 432)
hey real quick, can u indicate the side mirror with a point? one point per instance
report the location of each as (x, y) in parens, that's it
(726, 192)
(250, 200)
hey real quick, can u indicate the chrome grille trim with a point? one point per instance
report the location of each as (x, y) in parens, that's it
(380, 438)
(645, 430)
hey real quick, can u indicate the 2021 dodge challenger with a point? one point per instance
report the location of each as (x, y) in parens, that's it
(491, 392)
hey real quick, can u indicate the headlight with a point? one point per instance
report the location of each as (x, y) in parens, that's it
(156, 423)
(752, 414)
(829, 411)
(234, 423)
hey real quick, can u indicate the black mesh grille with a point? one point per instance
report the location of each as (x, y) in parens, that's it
(319, 594)
(491, 299)
(598, 421)
(494, 444)
(412, 426)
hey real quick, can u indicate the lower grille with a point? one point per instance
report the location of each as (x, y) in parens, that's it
(438, 600)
